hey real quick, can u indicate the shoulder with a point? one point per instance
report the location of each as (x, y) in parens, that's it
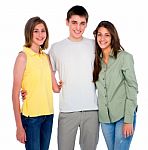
(125, 54)
(21, 56)
(20, 61)
(59, 43)
(126, 58)
(90, 43)
(89, 40)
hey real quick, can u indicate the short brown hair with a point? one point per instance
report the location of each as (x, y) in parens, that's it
(77, 10)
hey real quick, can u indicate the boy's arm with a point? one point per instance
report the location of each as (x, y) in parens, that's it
(55, 86)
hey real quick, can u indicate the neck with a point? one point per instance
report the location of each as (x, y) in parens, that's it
(106, 54)
(36, 49)
(75, 39)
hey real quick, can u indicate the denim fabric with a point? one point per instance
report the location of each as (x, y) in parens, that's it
(38, 131)
(114, 136)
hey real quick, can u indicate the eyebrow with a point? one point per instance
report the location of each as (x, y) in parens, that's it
(73, 21)
(78, 22)
(39, 29)
(104, 33)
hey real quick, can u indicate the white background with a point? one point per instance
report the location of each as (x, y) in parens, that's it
(131, 20)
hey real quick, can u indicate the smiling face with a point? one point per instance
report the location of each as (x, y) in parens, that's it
(77, 25)
(39, 35)
(104, 38)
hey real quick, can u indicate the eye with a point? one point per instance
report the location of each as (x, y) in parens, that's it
(98, 34)
(107, 35)
(83, 23)
(35, 31)
(74, 22)
(43, 31)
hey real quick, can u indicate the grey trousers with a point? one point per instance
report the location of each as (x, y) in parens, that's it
(68, 124)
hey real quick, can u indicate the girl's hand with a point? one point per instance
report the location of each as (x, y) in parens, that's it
(128, 130)
(21, 135)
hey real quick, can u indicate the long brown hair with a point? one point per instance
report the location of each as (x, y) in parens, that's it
(115, 46)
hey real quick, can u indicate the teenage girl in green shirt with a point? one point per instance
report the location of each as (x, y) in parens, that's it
(116, 82)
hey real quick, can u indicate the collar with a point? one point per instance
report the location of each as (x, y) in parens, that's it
(31, 52)
(111, 54)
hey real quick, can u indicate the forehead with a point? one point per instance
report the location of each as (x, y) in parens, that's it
(77, 18)
(103, 29)
(39, 26)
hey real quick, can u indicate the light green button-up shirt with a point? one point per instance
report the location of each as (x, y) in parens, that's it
(117, 89)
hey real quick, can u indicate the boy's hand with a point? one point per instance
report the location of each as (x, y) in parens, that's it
(23, 94)
(60, 84)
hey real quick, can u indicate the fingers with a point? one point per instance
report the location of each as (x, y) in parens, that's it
(21, 135)
(127, 133)
(127, 130)
(21, 139)
(23, 94)
(23, 97)
(23, 91)
(60, 84)
(25, 138)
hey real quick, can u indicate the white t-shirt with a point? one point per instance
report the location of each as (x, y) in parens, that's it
(74, 62)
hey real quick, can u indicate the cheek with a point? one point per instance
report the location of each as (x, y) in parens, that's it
(83, 28)
(98, 40)
(110, 41)
(45, 35)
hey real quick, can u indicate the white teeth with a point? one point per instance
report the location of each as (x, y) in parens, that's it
(77, 32)
(40, 39)
(103, 43)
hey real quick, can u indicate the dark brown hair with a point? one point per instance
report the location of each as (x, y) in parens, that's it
(115, 46)
(77, 10)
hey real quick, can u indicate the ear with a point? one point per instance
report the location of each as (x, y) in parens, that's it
(67, 22)
(86, 24)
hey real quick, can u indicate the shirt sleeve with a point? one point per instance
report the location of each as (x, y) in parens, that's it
(52, 58)
(131, 88)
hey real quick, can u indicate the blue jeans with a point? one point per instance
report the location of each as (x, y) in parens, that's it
(114, 136)
(38, 131)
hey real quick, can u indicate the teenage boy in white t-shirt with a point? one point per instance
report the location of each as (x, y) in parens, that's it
(73, 58)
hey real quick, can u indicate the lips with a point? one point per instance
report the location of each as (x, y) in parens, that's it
(77, 32)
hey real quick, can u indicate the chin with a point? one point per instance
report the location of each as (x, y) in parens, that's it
(41, 43)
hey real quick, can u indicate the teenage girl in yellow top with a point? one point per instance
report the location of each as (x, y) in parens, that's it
(33, 72)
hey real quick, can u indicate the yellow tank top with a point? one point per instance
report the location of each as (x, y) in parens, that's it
(37, 82)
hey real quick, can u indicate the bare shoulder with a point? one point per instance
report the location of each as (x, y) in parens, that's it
(21, 57)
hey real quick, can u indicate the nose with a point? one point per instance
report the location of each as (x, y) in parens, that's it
(40, 33)
(78, 27)
(102, 37)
